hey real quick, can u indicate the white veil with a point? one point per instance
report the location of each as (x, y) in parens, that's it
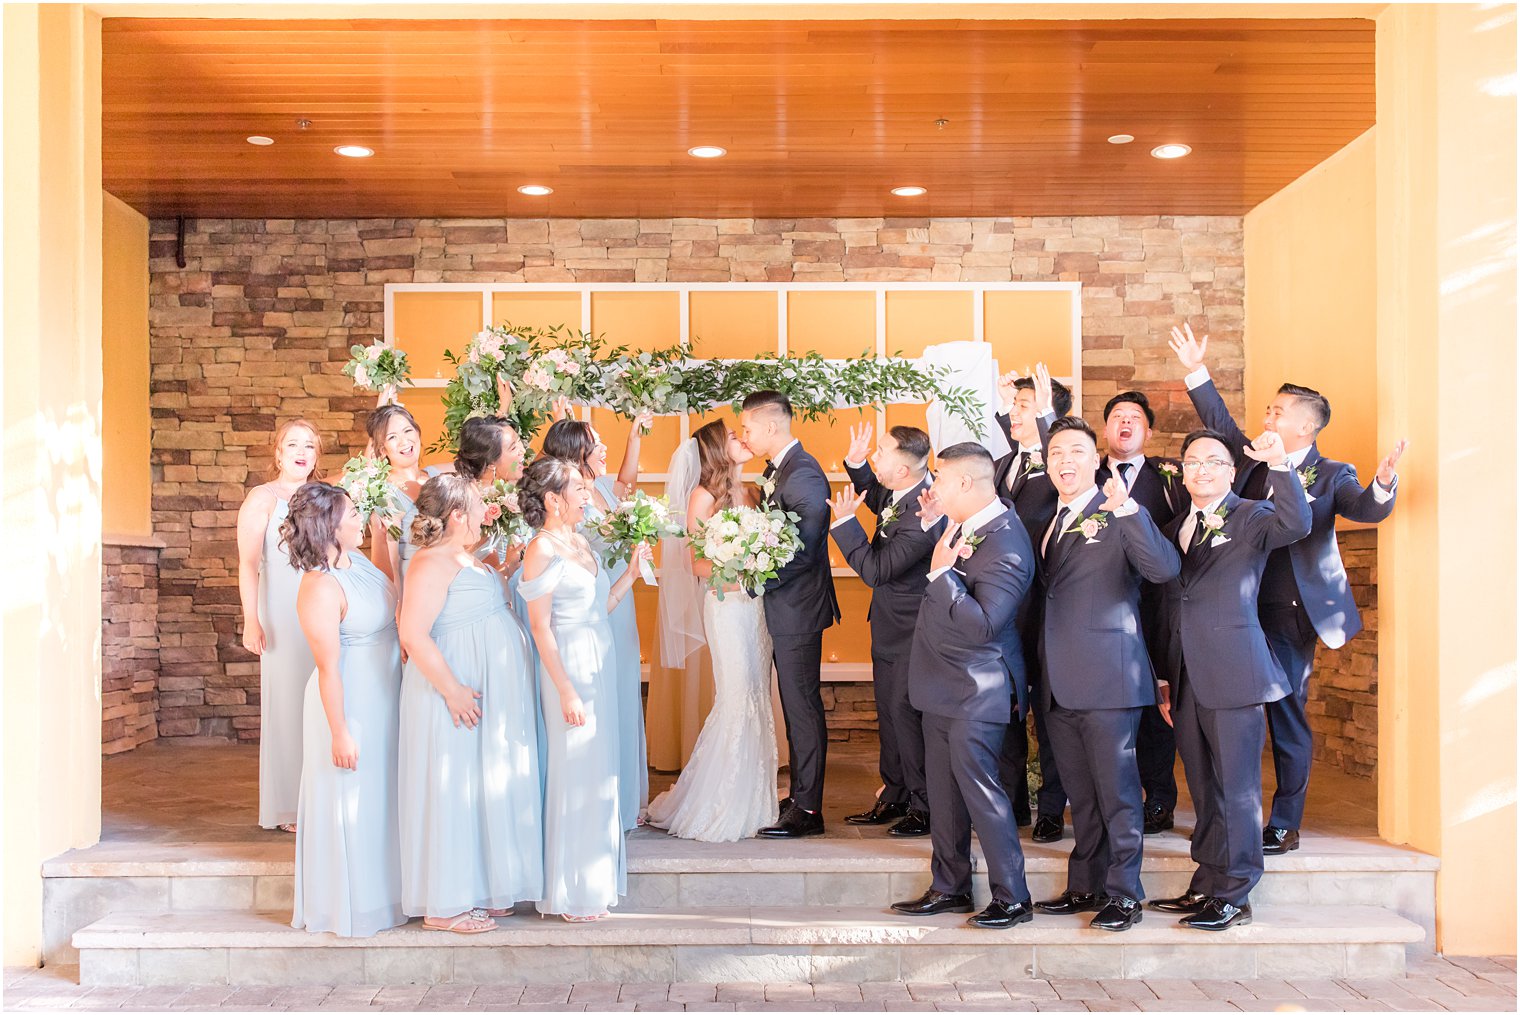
(681, 593)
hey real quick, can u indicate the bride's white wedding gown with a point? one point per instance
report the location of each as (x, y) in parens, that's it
(727, 791)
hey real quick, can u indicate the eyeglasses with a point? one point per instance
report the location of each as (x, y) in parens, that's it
(1205, 465)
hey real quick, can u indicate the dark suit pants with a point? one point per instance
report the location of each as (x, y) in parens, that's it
(1292, 637)
(1221, 757)
(1096, 751)
(1156, 754)
(961, 762)
(799, 659)
(901, 725)
(1013, 766)
(1050, 802)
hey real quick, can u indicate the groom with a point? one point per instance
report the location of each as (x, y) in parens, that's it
(799, 604)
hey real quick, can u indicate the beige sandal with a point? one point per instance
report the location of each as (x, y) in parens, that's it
(476, 916)
(499, 912)
(288, 828)
(584, 919)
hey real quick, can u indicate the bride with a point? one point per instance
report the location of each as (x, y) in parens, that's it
(727, 791)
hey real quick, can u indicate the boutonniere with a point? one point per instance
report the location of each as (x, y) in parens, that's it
(968, 546)
(1214, 522)
(767, 486)
(1308, 476)
(1168, 470)
(1035, 463)
(888, 515)
(1089, 525)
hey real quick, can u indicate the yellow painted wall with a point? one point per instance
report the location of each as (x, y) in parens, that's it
(1311, 298)
(126, 480)
(52, 450)
(1445, 154)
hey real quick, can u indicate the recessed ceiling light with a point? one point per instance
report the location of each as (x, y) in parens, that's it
(354, 151)
(535, 190)
(260, 139)
(1170, 151)
(909, 191)
(707, 151)
(1120, 138)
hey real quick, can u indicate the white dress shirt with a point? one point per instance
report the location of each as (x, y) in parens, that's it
(1185, 534)
(992, 511)
(1129, 481)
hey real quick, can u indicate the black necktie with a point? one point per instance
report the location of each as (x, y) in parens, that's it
(770, 469)
(1199, 531)
(1124, 470)
(1018, 469)
(1054, 539)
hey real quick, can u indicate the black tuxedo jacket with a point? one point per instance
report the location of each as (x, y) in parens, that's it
(1160, 494)
(1028, 491)
(967, 661)
(800, 599)
(894, 562)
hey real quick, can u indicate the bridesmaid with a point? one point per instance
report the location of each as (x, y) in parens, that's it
(348, 864)
(579, 445)
(585, 863)
(393, 433)
(267, 586)
(471, 838)
(490, 449)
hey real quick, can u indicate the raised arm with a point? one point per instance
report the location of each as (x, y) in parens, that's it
(1207, 402)
(252, 522)
(385, 550)
(898, 554)
(1149, 552)
(862, 477)
(320, 605)
(427, 586)
(985, 609)
(628, 475)
(1289, 518)
(1374, 502)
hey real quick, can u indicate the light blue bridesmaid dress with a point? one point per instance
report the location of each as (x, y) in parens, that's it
(283, 671)
(633, 758)
(348, 857)
(404, 547)
(585, 863)
(471, 800)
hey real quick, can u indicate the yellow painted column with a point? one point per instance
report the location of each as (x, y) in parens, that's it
(52, 450)
(1446, 373)
(126, 422)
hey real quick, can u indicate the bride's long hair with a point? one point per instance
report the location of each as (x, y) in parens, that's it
(717, 472)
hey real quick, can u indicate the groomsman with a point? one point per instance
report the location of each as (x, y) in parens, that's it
(1156, 484)
(894, 564)
(1305, 594)
(799, 605)
(1097, 673)
(967, 678)
(1028, 407)
(1227, 672)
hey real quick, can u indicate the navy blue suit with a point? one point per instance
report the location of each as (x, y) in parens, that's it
(1025, 487)
(1225, 674)
(1158, 488)
(799, 605)
(894, 564)
(966, 673)
(1305, 595)
(1098, 677)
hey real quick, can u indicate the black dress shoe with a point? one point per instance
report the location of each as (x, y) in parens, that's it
(914, 825)
(1277, 841)
(1068, 903)
(796, 823)
(932, 902)
(1188, 902)
(881, 814)
(1002, 915)
(1157, 819)
(1218, 915)
(1048, 829)
(1121, 913)
(785, 804)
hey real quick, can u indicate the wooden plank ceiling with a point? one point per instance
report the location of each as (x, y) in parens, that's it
(819, 118)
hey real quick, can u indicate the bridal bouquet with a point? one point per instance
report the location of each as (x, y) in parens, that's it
(639, 519)
(568, 371)
(504, 524)
(645, 382)
(377, 366)
(367, 481)
(746, 546)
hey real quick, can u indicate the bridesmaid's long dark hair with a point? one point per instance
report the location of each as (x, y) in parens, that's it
(717, 468)
(573, 441)
(480, 445)
(310, 532)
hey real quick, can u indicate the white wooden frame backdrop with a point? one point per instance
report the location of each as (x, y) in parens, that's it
(832, 671)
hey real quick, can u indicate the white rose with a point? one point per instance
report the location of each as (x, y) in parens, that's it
(361, 375)
(762, 561)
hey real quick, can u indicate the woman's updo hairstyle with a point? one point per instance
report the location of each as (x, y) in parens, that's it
(545, 476)
(440, 497)
(310, 532)
(573, 441)
(379, 423)
(480, 445)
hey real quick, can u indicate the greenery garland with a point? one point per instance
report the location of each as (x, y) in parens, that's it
(543, 364)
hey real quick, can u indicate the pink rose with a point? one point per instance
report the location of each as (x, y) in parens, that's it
(493, 512)
(1090, 528)
(964, 552)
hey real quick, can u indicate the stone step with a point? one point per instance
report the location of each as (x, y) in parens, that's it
(739, 944)
(84, 885)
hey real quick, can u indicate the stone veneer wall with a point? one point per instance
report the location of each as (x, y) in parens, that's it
(1343, 708)
(129, 646)
(256, 326)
